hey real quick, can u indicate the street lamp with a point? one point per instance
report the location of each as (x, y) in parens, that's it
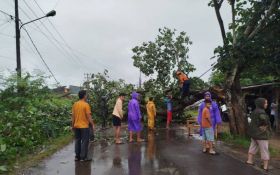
(49, 14)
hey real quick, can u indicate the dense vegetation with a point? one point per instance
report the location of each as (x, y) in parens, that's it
(29, 117)
(249, 53)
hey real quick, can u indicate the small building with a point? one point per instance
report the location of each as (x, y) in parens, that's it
(270, 91)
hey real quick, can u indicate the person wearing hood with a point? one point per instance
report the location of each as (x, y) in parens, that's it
(134, 118)
(214, 112)
(260, 132)
(151, 112)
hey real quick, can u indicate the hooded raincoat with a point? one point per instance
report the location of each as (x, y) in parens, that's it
(259, 127)
(214, 112)
(134, 114)
(151, 111)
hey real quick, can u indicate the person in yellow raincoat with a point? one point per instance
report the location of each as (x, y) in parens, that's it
(151, 111)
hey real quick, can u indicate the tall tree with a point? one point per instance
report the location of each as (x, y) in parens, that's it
(248, 46)
(162, 57)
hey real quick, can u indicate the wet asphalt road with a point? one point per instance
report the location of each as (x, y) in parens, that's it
(166, 152)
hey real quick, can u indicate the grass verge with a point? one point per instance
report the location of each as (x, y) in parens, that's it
(244, 142)
(49, 147)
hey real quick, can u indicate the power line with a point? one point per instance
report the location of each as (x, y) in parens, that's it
(54, 41)
(71, 56)
(214, 64)
(64, 41)
(62, 38)
(40, 55)
(11, 16)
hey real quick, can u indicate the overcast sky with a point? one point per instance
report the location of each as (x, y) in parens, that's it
(99, 34)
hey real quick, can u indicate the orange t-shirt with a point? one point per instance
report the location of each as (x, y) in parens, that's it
(206, 118)
(80, 110)
(182, 77)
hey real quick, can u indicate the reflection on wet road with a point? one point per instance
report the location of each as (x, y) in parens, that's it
(166, 152)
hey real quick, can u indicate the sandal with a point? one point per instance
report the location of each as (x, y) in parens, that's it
(213, 153)
(204, 150)
(266, 170)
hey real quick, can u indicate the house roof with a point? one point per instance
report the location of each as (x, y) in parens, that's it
(260, 85)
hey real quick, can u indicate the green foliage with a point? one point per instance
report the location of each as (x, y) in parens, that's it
(217, 78)
(198, 84)
(29, 116)
(161, 58)
(256, 53)
(244, 142)
(101, 87)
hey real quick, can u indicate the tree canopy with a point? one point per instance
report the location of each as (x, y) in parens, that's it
(162, 57)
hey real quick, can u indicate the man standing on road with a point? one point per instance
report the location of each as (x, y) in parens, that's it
(117, 117)
(81, 118)
(168, 102)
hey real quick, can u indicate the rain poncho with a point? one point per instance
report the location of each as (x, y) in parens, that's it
(214, 112)
(134, 114)
(259, 127)
(151, 112)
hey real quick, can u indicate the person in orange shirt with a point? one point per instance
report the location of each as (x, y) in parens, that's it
(207, 130)
(184, 83)
(81, 118)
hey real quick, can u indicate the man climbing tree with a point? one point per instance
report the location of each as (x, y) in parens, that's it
(184, 84)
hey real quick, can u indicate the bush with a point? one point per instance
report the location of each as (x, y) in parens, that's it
(30, 115)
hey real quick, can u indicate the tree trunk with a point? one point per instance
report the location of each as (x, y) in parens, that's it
(236, 106)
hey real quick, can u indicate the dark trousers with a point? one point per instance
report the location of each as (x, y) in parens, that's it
(185, 89)
(81, 142)
(91, 133)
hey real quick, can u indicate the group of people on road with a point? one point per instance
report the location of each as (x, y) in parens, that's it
(209, 119)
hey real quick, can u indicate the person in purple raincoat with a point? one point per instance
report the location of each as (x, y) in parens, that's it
(214, 112)
(134, 118)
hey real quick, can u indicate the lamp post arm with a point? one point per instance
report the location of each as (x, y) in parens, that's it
(31, 21)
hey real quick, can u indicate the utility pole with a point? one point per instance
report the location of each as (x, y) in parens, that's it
(18, 69)
(87, 79)
(140, 79)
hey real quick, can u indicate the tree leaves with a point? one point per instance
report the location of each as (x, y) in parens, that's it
(161, 58)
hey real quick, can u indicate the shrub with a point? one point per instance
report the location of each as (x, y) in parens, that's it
(30, 114)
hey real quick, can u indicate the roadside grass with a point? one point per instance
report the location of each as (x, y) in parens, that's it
(244, 142)
(49, 147)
